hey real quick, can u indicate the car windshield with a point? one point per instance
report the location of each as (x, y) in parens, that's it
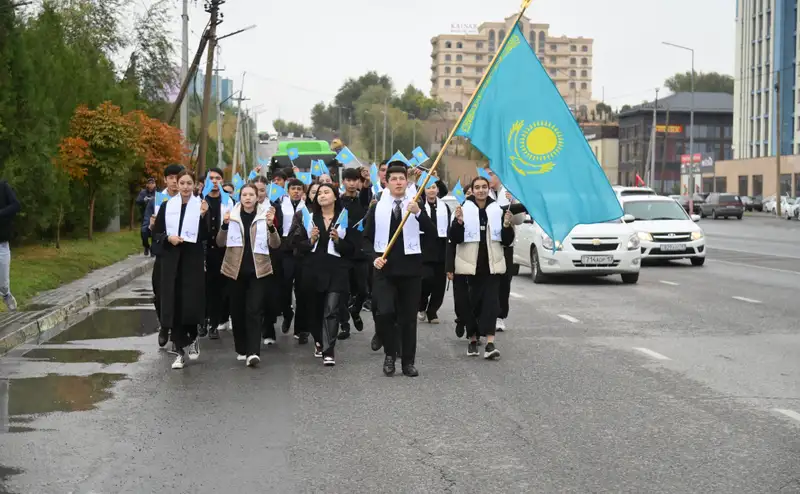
(655, 210)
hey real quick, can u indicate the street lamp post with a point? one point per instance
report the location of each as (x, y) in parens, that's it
(691, 126)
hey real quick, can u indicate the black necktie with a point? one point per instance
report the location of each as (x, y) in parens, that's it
(396, 211)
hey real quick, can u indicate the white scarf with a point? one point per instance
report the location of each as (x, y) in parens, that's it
(383, 218)
(472, 223)
(236, 230)
(441, 217)
(288, 213)
(191, 218)
(331, 244)
(500, 197)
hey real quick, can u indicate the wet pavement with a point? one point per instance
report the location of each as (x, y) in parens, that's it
(576, 404)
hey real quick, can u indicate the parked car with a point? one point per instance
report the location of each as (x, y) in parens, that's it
(756, 204)
(622, 191)
(721, 205)
(789, 209)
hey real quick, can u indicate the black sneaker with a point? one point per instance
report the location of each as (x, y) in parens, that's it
(388, 365)
(146, 251)
(460, 329)
(358, 322)
(287, 322)
(302, 339)
(344, 334)
(213, 333)
(472, 349)
(163, 337)
(202, 330)
(376, 343)
(410, 371)
(490, 352)
(367, 305)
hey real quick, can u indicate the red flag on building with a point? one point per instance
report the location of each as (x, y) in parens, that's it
(639, 181)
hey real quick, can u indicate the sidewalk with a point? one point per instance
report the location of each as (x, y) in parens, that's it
(53, 307)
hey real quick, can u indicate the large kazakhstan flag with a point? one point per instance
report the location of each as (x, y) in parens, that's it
(520, 122)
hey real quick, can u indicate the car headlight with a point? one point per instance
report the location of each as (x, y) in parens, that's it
(697, 235)
(633, 242)
(645, 236)
(547, 243)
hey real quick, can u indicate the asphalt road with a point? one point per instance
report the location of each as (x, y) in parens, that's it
(686, 382)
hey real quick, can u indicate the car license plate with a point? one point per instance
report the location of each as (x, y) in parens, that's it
(673, 247)
(597, 259)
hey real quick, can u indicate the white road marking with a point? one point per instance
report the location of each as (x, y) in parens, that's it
(567, 317)
(516, 295)
(777, 270)
(748, 300)
(651, 353)
(670, 283)
(789, 413)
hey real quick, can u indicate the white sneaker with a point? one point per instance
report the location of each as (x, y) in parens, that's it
(224, 326)
(10, 302)
(501, 324)
(253, 360)
(179, 362)
(194, 349)
(328, 361)
(421, 316)
(269, 341)
(241, 358)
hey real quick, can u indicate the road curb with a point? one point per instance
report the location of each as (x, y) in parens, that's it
(58, 315)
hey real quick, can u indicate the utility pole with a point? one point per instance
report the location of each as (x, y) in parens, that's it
(779, 127)
(220, 118)
(664, 154)
(238, 127)
(185, 68)
(213, 8)
(653, 144)
(385, 112)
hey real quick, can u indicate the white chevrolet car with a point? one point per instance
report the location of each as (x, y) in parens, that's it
(665, 229)
(595, 250)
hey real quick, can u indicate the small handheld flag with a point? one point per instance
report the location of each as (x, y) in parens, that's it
(432, 180)
(223, 197)
(304, 177)
(237, 181)
(343, 218)
(308, 220)
(376, 188)
(208, 187)
(161, 198)
(373, 174)
(412, 162)
(262, 162)
(483, 173)
(293, 154)
(458, 192)
(419, 155)
(398, 156)
(345, 156)
(275, 192)
(253, 174)
(319, 168)
(342, 189)
(360, 225)
(236, 195)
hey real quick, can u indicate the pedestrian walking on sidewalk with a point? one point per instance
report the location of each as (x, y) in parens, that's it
(248, 235)
(9, 207)
(181, 230)
(146, 196)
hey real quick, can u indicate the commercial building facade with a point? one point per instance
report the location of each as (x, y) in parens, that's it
(603, 139)
(713, 133)
(460, 59)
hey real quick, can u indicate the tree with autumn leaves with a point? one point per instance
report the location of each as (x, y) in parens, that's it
(105, 146)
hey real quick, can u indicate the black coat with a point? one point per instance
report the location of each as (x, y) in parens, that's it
(322, 272)
(183, 280)
(356, 210)
(433, 246)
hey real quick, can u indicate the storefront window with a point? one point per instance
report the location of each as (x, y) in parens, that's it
(708, 184)
(721, 183)
(758, 185)
(786, 184)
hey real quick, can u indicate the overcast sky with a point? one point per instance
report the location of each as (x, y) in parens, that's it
(301, 51)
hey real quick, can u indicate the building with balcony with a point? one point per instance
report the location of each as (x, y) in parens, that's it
(459, 61)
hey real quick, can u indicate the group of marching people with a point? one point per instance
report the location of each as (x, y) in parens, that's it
(243, 261)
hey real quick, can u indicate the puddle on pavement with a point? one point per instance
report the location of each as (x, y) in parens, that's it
(36, 307)
(106, 323)
(5, 474)
(18, 429)
(84, 355)
(130, 302)
(142, 290)
(57, 393)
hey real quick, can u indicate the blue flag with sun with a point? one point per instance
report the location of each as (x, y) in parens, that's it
(519, 120)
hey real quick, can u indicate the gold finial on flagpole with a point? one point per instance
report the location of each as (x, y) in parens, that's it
(526, 4)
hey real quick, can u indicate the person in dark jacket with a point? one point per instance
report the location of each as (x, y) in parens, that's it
(325, 254)
(356, 204)
(434, 279)
(285, 209)
(171, 178)
(216, 299)
(182, 231)
(9, 207)
(397, 279)
(146, 195)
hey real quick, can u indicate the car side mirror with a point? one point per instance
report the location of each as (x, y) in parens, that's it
(628, 218)
(695, 218)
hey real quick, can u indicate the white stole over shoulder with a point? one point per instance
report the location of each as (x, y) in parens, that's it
(236, 230)
(191, 218)
(472, 222)
(383, 218)
(288, 213)
(441, 217)
(500, 197)
(331, 244)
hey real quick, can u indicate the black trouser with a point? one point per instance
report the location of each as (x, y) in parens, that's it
(156, 279)
(215, 287)
(397, 298)
(461, 298)
(146, 238)
(481, 320)
(433, 284)
(323, 318)
(351, 305)
(182, 335)
(247, 311)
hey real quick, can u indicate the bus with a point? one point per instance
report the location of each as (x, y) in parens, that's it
(307, 150)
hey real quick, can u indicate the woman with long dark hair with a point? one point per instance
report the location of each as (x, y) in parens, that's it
(324, 248)
(481, 230)
(248, 236)
(181, 231)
